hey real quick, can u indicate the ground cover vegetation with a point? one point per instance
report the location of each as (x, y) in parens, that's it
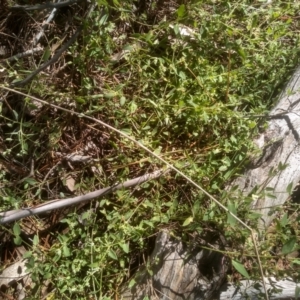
(189, 80)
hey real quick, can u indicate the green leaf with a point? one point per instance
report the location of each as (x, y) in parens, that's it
(35, 240)
(16, 114)
(47, 275)
(18, 240)
(227, 174)
(116, 3)
(133, 107)
(269, 189)
(80, 100)
(252, 124)
(157, 151)
(223, 168)
(102, 202)
(254, 216)
(271, 196)
(112, 254)
(122, 263)
(181, 11)
(103, 19)
(240, 268)
(125, 247)
(86, 215)
(46, 54)
(296, 261)
(17, 229)
(122, 100)
(196, 207)
(297, 292)
(242, 53)
(284, 220)
(289, 188)
(57, 256)
(110, 94)
(27, 254)
(282, 166)
(188, 221)
(126, 131)
(94, 265)
(289, 246)
(66, 251)
(30, 181)
(131, 283)
(102, 2)
(27, 124)
(232, 208)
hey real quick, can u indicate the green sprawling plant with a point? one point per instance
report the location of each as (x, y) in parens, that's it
(186, 80)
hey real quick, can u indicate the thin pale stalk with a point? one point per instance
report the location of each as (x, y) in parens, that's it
(162, 160)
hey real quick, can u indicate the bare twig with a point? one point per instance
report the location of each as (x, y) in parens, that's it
(18, 214)
(55, 57)
(24, 54)
(49, 19)
(44, 6)
(58, 53)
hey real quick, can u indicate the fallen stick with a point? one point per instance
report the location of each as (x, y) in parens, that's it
(47, 22)
(44, 5)
(17, 214)
(49, 62)
(24, 54)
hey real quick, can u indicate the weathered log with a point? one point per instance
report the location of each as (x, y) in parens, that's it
(174, 274)
(249, 289)
(278, 165)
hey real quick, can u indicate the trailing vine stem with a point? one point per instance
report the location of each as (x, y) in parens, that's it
(170, 166)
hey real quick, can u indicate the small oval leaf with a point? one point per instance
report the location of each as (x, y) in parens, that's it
(125, 247)
(17, 229)
(289, 188)
(289, 246)
(18, 240)
(240, 268)
(35, 240)
(112, 254)
(188, 221)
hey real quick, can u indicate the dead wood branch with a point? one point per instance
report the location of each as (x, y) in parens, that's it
(44, 26)
(47, 5)
(249, 289)
(24, 54)
(176, 273)
(18, 214)
(278, 165)
(55, 57)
